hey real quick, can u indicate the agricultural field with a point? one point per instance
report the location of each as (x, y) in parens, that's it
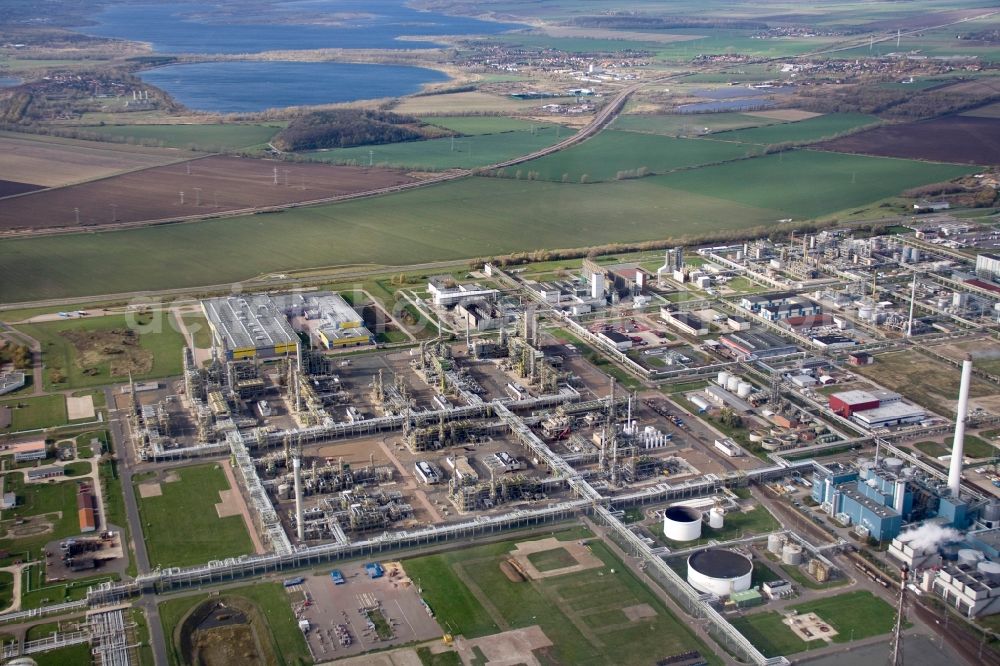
(10, 188)
(465, 102)
(94, 351)
(803, 184)
(180, 518)
(476, 125)
(959, 139)
(33, 413)
(803, 131)
(50, 162)
(209, 185)
(687, 124)
(592, 616)
(456, 220)
(928, 382)
(465, 152)
(610, 153)
(207, 138)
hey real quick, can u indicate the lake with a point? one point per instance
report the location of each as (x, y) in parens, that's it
(303, 25)
(240, 87)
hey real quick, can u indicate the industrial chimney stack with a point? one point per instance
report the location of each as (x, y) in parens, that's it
(297, 470)
(958, 448)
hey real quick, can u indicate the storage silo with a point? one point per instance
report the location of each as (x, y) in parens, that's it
(970, 557)
(723, 378)
(716, 518)
(743, 389)
(774, 543)
(732, 383)
(791, 553)
(719, 572)
(681, 523)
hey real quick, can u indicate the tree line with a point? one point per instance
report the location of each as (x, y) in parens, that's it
(344, 128)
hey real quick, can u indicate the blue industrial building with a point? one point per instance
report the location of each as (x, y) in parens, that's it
(879, 498)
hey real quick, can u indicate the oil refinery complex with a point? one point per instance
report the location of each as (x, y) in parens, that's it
(736, 419)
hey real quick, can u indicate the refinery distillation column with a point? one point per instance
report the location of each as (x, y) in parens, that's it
(958, 448)
(297, 470)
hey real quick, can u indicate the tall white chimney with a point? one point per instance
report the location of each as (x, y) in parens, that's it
(299, 521)
(958, 448)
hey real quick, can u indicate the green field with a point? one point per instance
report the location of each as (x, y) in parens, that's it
(803, 184)
(181, 526)
(549, 560)
(207, 138)
(55, 501)
(466, 218)
(687, 124)
(803, 131)
(272, 601)
(613, 151)
(46, 411)
(197, 325)
(97, 353)
(476, 125)
(75, 655)
(855, 615)
(448, 153)
(581, 613)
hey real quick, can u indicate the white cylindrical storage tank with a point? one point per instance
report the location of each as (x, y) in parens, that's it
(775, 542)
(719, 572)
(744, 389)
(791, 553)
(732, 383)
(716, 518)
(970, 557)
(682, 523)
(989, 569)
(894, 465)
(722, 379)
(865, 312)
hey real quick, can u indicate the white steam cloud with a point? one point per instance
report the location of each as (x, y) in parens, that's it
(929, 536)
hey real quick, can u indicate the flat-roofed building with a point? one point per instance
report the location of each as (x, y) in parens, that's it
(251, 326)
(27, 451)
(688, 323)
(327, 318)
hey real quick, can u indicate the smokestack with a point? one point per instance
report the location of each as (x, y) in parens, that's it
(958, 448)
(299, 521)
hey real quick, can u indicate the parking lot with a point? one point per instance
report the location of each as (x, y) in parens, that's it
(393, 595)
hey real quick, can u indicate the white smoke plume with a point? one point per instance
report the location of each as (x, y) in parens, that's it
(929, 536)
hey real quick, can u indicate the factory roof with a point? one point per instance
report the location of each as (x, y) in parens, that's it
(615, 336)
(756, 340)
(894, 410)
(248, 321)
(850, 490)
(854, 397)
(719, 563)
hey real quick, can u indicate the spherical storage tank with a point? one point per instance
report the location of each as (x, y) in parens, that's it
(719, 572)
(681, 523)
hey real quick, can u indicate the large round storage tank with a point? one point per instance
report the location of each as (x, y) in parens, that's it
(989, 569)
(791, 553)
(894, 465)
(991, 511)
(775, 542)
(733, 383)
(723, 378)
(716, 518)
(865, 312)
(682, 523)
(744, 389)
(719, 572)
(970, 557)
